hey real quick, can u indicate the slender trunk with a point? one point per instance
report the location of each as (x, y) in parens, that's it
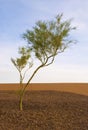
(20, 93)
(21, 103)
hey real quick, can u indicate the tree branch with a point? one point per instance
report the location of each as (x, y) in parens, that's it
(26, 71)
(51, 61)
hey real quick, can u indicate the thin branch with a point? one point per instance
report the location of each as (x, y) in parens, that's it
(62, 50)
(26, 71)
(51, 61)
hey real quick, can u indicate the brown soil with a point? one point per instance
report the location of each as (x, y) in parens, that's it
(44, 110)
(79, 88)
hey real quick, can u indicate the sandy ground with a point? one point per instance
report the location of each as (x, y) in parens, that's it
(78, 88)
(44, 110)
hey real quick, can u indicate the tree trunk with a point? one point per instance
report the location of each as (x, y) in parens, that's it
(20, 94)
(21, 103)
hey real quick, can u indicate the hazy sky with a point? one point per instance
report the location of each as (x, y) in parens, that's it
(16, 16)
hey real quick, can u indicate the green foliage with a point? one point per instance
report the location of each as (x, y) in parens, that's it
(47, 39)
(21, 62)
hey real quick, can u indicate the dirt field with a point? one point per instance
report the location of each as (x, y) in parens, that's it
(44, 110)
(79, 88)
(65, 109)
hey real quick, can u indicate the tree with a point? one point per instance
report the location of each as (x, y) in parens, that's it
(46, 40)
(23, 65)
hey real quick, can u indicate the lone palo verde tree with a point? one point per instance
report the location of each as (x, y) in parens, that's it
(46, 40)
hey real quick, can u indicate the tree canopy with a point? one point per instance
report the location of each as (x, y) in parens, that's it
(47, 39)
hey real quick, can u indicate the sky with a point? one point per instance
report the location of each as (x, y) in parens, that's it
(16, 16)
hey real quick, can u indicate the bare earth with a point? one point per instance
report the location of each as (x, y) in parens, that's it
(79, 88)
(65, 109)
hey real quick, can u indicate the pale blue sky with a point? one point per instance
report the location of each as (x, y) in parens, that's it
(16, 16)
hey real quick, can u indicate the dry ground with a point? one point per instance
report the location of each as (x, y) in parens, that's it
(79, 88)
(44, 110)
